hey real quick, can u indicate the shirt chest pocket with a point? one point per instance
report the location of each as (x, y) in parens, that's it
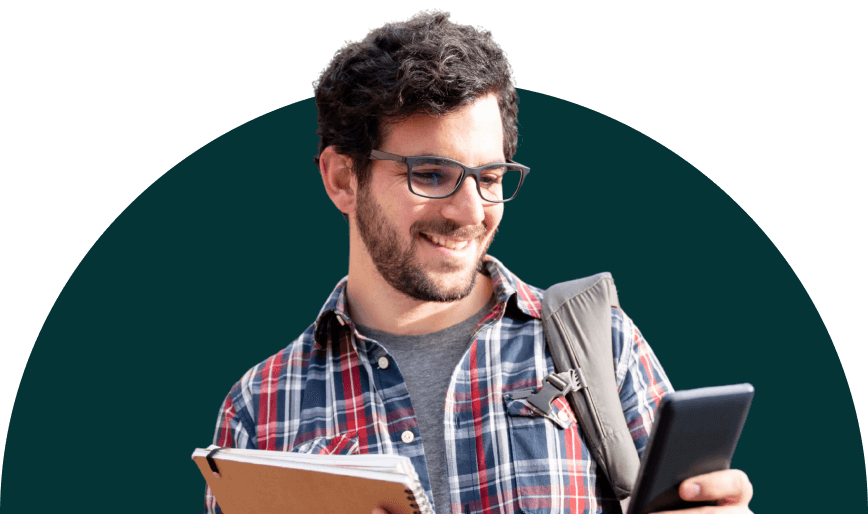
(347, 443)
(546, 455)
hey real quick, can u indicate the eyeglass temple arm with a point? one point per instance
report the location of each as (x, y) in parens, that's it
(378, 154)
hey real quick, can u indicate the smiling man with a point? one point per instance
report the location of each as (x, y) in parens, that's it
(422, 348)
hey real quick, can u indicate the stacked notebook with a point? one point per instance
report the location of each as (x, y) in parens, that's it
(253, 481)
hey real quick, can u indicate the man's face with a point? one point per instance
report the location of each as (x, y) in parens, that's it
(432, 249)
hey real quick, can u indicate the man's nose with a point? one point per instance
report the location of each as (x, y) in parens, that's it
(465, 206)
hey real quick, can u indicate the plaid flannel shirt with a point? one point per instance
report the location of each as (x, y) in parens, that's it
(325, 393)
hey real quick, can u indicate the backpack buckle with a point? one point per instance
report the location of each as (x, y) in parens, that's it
(556, 385)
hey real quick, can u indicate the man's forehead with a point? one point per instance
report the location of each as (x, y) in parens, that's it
(473, 132)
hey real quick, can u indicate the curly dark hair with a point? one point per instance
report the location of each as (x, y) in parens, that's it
(426, 64)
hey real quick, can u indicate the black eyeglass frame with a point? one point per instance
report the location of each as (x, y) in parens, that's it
(466, 171)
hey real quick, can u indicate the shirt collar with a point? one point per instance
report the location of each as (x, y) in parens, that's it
(506, 286)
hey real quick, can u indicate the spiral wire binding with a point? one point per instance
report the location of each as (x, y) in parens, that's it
(419, 494)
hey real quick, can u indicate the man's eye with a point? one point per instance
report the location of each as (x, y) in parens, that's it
(427, 177)
(492, 177)
(490, 180)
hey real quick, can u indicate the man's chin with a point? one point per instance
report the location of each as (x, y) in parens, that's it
(435, 294)
(446, 286)
(447, 271)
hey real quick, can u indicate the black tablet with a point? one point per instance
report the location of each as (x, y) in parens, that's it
(695, 432)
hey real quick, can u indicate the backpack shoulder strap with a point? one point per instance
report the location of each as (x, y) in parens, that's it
(577, 317)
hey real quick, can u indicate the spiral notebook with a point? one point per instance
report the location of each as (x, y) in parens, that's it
(254, 481)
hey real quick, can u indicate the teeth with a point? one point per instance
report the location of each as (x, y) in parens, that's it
(447, 242)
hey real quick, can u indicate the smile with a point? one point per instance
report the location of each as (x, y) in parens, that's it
(448, 243)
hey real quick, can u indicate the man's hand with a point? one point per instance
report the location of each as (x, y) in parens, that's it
(730, 488)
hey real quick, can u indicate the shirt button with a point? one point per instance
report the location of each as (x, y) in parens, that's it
(383, 362)
(563, 416)
(408, 436)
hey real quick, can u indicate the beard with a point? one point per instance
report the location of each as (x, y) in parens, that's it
(398, 262)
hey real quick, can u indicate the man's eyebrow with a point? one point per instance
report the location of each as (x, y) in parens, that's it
(495, 161)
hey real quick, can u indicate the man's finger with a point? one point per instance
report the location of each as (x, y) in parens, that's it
(724, 486)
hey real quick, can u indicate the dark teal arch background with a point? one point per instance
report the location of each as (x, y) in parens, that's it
(229, 256)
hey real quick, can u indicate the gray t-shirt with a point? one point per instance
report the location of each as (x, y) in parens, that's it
(426, 362)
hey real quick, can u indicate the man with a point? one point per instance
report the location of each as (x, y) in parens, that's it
(419, 349)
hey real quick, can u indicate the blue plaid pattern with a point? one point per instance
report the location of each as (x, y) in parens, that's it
(325, 393)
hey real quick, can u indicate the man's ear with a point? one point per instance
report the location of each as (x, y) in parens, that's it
(338, 179)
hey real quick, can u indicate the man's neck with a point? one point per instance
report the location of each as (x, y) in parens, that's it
(374, 303)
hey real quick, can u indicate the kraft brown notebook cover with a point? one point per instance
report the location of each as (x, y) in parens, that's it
(252, 481)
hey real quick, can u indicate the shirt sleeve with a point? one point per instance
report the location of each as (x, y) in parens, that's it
(229, 432)
(642, 383)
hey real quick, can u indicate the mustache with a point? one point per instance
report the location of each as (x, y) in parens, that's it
(448, 229)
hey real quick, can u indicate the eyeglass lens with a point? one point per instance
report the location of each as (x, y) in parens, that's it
(435, 178)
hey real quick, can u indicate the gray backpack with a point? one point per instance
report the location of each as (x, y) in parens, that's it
(577, 316)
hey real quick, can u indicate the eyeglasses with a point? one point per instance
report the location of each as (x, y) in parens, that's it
(439, 177)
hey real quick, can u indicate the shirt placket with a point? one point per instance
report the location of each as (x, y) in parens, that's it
(396, 409)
